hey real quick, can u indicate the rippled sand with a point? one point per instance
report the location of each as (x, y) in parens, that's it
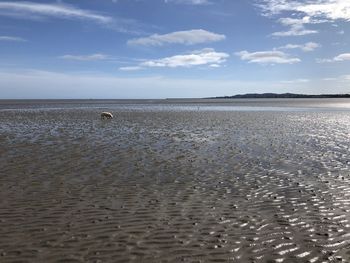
(171, 186)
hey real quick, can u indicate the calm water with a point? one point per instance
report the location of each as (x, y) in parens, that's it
(186, 104)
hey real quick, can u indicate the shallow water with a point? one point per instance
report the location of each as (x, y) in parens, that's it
(185, 104)
(170, 183)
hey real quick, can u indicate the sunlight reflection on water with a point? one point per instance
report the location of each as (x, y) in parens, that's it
(277, 105)
(151, 108)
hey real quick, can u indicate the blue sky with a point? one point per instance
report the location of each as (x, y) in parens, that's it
(172, 48)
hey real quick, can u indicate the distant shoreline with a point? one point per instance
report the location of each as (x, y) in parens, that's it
(159, 100)
(282, 96)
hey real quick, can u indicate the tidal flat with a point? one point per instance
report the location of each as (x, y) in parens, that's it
(196, 182)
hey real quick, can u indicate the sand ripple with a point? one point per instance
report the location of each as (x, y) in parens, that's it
(174, 186)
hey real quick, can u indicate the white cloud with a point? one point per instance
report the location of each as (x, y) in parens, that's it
(296, 26)
(189, 2)
(346, 77)
(215, 65)
(267, 57)
(307, 47)
(207, 56)
(321, 9)
(14, 39)
(189, 37)
(324, 60)
(85, 57)
(288, 21)
(197, 58)
(342, 57)
(131, 68)
(31, 9)
(295, 81)
(306, 12)
(295, 30)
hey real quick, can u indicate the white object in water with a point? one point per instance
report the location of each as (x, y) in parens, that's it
(106, 115)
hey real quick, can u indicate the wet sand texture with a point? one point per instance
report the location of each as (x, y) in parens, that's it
(174, 186)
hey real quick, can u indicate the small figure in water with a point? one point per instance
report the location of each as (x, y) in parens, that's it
(106, 115)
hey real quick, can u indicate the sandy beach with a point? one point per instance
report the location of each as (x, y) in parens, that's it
(191, 185)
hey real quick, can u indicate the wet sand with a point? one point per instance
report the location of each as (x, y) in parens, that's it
(174, 186)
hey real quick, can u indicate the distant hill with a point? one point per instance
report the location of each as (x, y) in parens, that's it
(282, 96)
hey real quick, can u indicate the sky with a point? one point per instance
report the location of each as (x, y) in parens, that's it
(144, 49)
